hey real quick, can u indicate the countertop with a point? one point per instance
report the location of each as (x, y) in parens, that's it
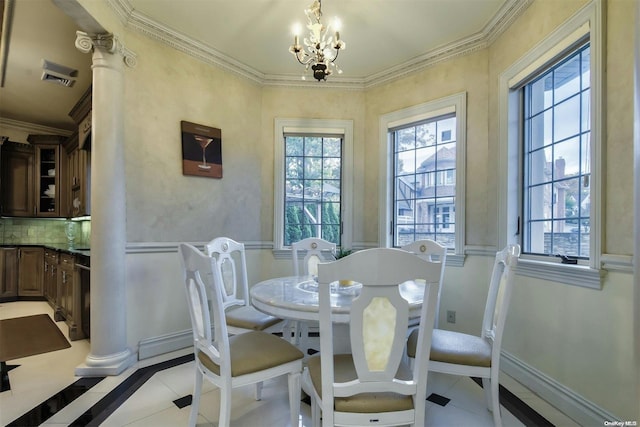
(61, 247)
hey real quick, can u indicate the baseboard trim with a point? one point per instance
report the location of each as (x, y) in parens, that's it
(151, 347)
(561, 397)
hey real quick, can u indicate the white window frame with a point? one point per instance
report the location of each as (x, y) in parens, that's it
(309, 127)
(586, 22)
(456, 103)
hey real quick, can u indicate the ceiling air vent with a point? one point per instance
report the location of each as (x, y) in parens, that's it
(57, 73)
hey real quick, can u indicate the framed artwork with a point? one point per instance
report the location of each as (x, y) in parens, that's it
(201, 150)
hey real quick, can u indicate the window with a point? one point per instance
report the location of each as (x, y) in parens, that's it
(312, 174)
(556, 166)
(550, 157)
(424, 181)
(312, 185)
(423, 151)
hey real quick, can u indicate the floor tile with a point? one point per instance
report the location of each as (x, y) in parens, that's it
(151, 405)
(151, 398)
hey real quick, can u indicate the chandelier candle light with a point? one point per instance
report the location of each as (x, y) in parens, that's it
(321, 48)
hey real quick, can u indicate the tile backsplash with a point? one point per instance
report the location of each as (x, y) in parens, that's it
(31, 231)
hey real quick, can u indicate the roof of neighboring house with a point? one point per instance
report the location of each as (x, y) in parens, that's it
(445, 155)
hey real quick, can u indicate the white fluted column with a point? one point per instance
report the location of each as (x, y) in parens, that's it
(109, 353)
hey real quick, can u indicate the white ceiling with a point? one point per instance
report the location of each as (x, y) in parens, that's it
(383, 38)
(378, 34)
(39, 30)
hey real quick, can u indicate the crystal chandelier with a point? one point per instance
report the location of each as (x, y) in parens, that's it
(320, 50)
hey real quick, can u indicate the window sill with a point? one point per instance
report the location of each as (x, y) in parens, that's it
(577, 275)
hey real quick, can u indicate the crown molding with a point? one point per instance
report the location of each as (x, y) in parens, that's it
(296, 81)
(509, 12)
(33, 128)
(176, 40)
(452, 50)
(141, 23)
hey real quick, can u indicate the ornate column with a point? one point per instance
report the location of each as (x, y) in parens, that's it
(109, 353)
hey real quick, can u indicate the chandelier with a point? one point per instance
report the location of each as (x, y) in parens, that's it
(320, 50)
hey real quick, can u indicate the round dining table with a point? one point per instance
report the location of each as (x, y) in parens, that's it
(296, 298)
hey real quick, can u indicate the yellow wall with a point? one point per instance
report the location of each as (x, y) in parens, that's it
(162, 204)
(313, 103)
(463, 74)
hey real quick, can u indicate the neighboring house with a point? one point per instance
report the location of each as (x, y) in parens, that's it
(427, 206)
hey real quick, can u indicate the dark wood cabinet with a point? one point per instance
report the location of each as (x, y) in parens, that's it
(69, 296)
(17, 178)
(41, 179)
(8, 274)
(48, 175)
(31, 176)
(78, 159)
(30, 271)
(77, 166)
(51, 277)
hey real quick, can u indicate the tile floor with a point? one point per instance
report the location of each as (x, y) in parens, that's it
(152, 393)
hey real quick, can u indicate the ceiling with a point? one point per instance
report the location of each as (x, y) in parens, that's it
(384, 38)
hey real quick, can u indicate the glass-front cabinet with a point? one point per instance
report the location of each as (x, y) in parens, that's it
(47, 174)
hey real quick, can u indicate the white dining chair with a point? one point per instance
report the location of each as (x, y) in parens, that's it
(478, 356)
(231, 361)
(228, 257)
(433, 251)
(313, 251)
(373, 385)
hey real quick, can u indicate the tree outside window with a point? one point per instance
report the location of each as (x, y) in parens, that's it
(313, 168)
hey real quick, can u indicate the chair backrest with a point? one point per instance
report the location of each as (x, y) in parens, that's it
(378, 322)
(228, 257)
(203, 287)
(499, 296)
(433, 251)
(316, 251)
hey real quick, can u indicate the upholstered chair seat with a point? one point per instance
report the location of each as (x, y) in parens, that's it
(455, 347)
(344, 371)
(247, 317)
(248, 355)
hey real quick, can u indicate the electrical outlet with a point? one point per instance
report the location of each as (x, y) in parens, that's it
(451, 316)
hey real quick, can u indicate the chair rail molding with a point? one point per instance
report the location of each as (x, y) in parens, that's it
(614, 262)
(167, 247)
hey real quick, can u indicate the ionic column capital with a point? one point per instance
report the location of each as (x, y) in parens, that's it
(108, 43)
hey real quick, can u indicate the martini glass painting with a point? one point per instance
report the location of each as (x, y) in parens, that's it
(201, 150)
(203, 141)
